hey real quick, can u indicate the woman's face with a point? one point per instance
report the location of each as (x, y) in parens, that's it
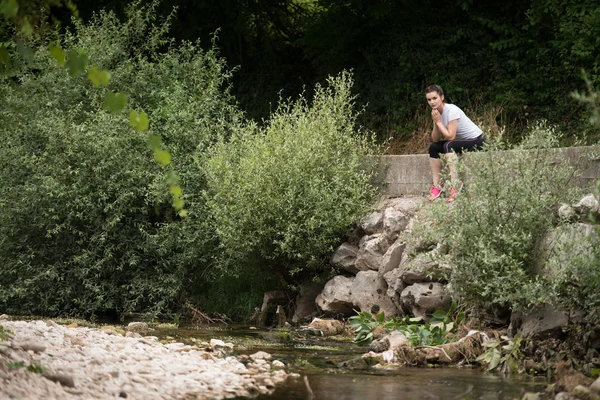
(434, 100)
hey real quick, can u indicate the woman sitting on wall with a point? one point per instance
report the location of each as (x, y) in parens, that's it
(452, 133)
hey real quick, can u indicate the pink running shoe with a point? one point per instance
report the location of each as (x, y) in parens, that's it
(435, 192)
(454, 190)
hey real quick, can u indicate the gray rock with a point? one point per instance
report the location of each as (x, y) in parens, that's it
(394, 221)
(336, 296)
(424, 267)
(369, 293)
(561, 246)
(543, 322)
(392, 257)
(261, 355)
(395, 287)
(406, 205)
(422, 299)
(564, 396)
(372, 222)
(137, 327)
(584, 393)
(371, 251)
(345, 257)
(588, 204)
(596, 386)
(566, 213)
(35, 346)
(327, 326)
(306, 307)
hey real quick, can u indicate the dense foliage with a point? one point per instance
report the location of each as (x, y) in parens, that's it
(283, 195)
(523, 56)
(494, 225)
(86, 224)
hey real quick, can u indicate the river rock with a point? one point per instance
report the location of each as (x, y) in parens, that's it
(394, 221)
(345, 257)
(596, 386)
(371, 251)
(588, 204)
(395, 286)
(392, 257)
(336, 296)
(561, 246)
(109, 366)
(422, 299)
(327, 326)
(306, 307)
(137, 327)
(372, 222)
(369, 293)
(542, 322)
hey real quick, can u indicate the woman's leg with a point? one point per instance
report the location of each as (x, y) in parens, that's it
(436, 170)
(452, 161)
(435, 149)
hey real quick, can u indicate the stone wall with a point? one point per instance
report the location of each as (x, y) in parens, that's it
(411, 174)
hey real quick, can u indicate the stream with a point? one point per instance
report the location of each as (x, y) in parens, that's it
(320, 363)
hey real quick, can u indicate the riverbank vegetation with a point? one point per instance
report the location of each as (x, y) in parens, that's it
(86, 223)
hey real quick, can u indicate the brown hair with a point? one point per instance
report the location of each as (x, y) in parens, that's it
(434, 88)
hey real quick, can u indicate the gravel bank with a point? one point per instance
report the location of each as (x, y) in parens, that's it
(89, 363)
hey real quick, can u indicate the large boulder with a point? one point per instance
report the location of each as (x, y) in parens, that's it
(306, 306)
(395, 286)
(371, 251)
(423, 299)
(369, 293)
(345, 257)
(588, 204)
(406, 205)
(561, 246)
(424, 267)
(336, 299)
(392, 257)
(372, 222)
(542, 322)
(394, 221)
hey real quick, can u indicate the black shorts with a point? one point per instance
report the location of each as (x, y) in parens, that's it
(448, 146)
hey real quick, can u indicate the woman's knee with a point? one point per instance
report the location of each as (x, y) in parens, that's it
(434, 150)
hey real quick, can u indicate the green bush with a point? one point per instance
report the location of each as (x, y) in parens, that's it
(282, 196)
(86, 224)
(493, 226)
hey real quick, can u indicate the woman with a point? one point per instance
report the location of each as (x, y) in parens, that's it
(452, 133)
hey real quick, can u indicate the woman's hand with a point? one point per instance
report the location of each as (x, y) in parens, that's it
(436, 116)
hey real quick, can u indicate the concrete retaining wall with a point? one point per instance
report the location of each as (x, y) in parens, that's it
(411, 174)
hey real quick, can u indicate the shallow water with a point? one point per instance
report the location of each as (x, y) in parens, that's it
(320, 360)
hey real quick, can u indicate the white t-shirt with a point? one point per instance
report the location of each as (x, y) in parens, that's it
(466, 129)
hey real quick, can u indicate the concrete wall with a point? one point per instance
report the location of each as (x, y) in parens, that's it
(411, 174)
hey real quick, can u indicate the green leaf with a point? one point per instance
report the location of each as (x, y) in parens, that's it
(98, 76)
(155, 142)
(138, 120)
(77, 62)
(175, 190)
(10, 8)
(4, 56)
(26, 28)
(178, 204)
(172, 178)
(25, 51)
(58, 54)
(495, 360)
(162, 157)
(182, 213)
(115, 102)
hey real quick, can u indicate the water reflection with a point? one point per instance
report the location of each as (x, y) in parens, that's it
(410, 383)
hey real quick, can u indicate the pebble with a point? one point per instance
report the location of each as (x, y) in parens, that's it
(86, 363)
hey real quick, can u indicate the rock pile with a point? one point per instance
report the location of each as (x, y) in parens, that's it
(383, 273)
(44, 360)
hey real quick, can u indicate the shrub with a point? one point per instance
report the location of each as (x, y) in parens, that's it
(86, 224)
(282, 196)
(493, 226)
